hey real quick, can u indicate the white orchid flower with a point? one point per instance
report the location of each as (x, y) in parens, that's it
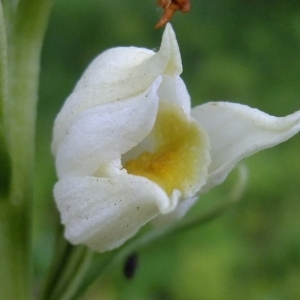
(130, 149)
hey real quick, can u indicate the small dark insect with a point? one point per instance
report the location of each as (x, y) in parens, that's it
(170, 7)
(130, 266)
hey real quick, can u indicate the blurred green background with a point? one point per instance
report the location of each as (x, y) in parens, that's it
(245, 51)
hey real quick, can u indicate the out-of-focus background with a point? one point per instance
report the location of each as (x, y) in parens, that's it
(245, 51)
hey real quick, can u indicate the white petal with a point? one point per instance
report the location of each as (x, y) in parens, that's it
(237, 131)
(182, 208)
(103, 133)
(174, 90)
(105, 212)
(117, 74)
(169, 50)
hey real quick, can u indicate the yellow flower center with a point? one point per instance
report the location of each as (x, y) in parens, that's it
(180, 158)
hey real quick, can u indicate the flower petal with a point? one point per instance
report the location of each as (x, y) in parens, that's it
(178, 213)
(117, 74)
(169, 52)
(103, 133)
(180, 158)
(237, 131)
(173, 89)
(105, 212)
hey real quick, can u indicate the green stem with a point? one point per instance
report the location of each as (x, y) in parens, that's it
(9, 9)
(20, 111)
(19, 114)
(75, 261)
(5, 174)
(3, 64)
(58, 264)
(76, 273)
(67, 269)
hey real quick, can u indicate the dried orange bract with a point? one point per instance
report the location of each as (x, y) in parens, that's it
(170, 7)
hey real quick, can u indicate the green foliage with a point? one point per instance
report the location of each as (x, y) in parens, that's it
(243, 51)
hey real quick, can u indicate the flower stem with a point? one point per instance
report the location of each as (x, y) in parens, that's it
(24, 40)
(3, 63)
(5, 174)
(67, 269)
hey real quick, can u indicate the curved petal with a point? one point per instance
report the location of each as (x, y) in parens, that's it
(169, 52)
(117, 74)
(105, 212)
(174, 90)
(103, 133)
(179, 212)
(237, 131)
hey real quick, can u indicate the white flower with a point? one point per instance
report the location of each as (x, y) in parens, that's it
(129, 148)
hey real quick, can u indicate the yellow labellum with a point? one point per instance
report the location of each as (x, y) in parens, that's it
(177, 161)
